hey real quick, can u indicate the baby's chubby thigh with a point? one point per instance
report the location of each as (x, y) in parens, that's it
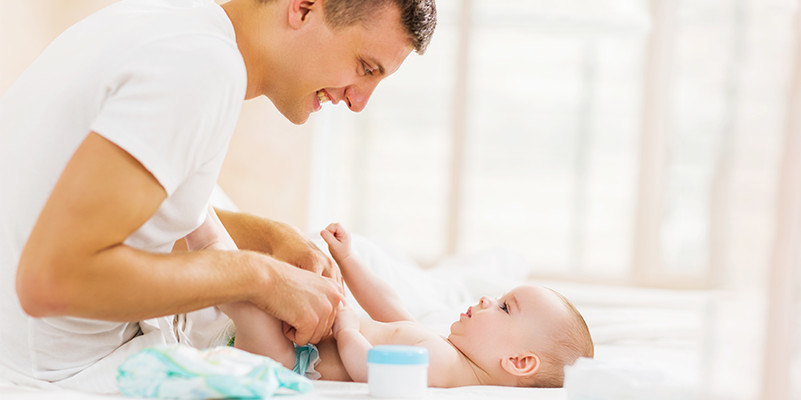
(260, 333)
(330, 366)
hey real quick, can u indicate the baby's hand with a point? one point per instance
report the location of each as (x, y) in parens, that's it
(338, 240)
(346, 319)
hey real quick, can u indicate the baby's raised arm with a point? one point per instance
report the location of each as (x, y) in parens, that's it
(377, 297)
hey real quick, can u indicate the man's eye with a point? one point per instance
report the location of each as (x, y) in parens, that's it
(367, 69)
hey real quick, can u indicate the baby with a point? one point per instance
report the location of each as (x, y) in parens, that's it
(523, 338)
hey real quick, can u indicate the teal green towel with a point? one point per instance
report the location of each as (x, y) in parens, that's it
(179, 371)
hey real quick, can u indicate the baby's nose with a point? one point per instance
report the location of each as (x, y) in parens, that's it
(485, 302)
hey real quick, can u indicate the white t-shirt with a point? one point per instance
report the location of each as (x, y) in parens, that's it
(162, 79)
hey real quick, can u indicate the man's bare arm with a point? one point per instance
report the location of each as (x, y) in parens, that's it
(282, 241)
(75, 263)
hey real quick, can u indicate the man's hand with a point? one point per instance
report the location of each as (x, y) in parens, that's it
(305, 301)
(310, 315)
(303, 253)
(280, 240)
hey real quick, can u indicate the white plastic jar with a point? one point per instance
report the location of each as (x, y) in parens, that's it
(397, 371)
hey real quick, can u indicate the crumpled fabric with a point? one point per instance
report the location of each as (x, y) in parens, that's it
(181, 371)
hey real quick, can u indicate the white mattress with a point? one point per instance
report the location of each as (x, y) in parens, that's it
(647, 340)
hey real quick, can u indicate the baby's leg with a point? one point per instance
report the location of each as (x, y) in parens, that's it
(256, 331)
(210, 235)
(260, 333)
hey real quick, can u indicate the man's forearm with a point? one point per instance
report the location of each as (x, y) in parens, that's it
(251, 232)
(280, 240)
(124, 284)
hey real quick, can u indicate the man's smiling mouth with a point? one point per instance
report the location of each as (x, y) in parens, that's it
(321, 96)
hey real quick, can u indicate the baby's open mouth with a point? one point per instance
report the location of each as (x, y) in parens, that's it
(469, 312)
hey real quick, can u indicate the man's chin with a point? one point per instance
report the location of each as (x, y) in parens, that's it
(300, 121)
(297, 118)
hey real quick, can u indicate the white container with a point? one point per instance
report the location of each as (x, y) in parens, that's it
(397, 371)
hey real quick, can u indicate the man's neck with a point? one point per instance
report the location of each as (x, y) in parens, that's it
(252, 22)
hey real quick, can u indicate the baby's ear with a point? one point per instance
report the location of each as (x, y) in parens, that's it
(521, 365)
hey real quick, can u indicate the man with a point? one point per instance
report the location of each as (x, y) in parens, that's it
(111, 145)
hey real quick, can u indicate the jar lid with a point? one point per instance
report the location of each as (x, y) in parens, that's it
(397, 355)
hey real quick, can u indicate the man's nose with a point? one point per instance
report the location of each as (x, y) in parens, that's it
(357, 96)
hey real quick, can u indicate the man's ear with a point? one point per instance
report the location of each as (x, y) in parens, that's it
(522, 365)
(299, 11)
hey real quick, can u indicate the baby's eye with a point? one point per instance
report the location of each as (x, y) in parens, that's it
(505, 307)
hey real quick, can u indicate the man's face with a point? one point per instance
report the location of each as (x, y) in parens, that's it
(344, 64)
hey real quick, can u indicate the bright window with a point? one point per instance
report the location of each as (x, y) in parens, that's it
(627, 140)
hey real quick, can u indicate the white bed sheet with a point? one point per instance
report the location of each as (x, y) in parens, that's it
(323, 390)
(649, 340)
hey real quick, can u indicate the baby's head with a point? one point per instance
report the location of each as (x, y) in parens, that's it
(524, 338)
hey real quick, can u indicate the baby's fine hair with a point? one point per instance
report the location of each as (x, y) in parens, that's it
(572, 342)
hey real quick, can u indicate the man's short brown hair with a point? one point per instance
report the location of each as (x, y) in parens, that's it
(418, 17)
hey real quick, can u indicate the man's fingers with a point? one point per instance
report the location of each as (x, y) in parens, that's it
(331, 320)
(301, 337)
(289, 332)
(333, 272)
(334, 298)
(317, 267)
(324, 327)
(338, 279)
(325, 323)
(316, 323)
(312, 310)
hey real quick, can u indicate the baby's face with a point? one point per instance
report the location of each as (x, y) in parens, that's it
(524, 320)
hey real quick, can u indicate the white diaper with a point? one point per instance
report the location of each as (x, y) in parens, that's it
(306, 358)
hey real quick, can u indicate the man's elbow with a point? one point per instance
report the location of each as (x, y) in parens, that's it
(39, 292)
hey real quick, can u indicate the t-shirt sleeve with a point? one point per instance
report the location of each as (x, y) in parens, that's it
(173, 104)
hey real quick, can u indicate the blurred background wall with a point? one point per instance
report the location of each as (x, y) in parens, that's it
(639, 142)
